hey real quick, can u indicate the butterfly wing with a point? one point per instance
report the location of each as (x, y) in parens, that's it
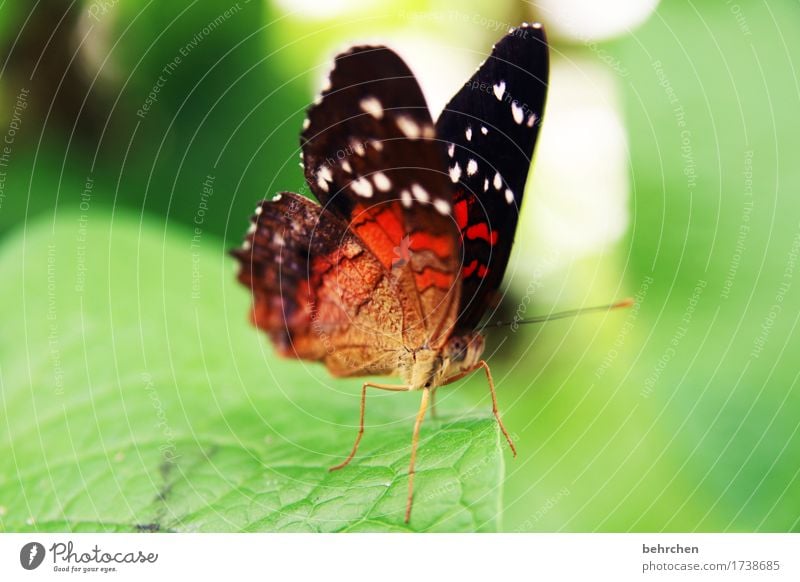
(490, 127)
(317, 292)
(371, 159)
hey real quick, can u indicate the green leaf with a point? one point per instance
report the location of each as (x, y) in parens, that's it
(135, 396)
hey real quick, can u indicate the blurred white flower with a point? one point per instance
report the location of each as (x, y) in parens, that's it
(440, 68)
(589, 20)
(322, 9)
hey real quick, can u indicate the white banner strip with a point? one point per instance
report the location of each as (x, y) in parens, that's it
(401, 557)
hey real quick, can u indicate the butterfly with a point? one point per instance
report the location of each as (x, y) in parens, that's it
(393, 270)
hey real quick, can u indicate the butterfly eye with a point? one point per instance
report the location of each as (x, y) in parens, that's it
(457, 349)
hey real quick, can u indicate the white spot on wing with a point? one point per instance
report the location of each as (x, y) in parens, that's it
(405, 198)
(259, 210)
(472, 167)
(372, 106)
(498, 181)
(306, 123)
(420, 193)
(531, 120)
(442, 206)
(362, 187)
(499, 90)
(377, 145)
(323, 177)
(276, 198)
(382, 181)
(408, 126)
(517, 112)
(358, 147)
(484, 129)
(509, 196)
(468, 133)
(347, 167)
(455, 173)
(451, 149)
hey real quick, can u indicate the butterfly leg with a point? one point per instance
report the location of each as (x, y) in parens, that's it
(433, 402)
(495, 411)
(366, 385)
(423, 406)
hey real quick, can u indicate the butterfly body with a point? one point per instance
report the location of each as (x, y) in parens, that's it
(392, 272)
(426, 367)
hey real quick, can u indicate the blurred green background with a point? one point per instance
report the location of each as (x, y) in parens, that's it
(667, 170)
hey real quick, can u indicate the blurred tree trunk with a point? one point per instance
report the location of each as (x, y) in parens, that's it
(43, 55)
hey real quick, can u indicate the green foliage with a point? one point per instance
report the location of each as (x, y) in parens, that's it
(136, 397)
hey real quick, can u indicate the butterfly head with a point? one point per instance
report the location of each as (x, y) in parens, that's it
(460, 353)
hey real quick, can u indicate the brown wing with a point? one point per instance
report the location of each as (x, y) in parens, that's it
(316, 291)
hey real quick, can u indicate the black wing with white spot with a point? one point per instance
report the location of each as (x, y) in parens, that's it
(490, 127)
(370, 138)
(371, 157)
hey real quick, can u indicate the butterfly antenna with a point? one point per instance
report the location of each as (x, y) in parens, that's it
(627, 302)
